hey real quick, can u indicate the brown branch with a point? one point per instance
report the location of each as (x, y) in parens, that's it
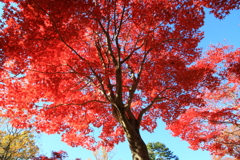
(74, 71)
(143, 111)
(68, 104)
(99, 80)
(135, 49)
(135, 85)
(157, 98)
(101, 84)
(137, 80)
(100, 55)
(222, 122)
(130, 55)
(109, 85)
(108, 43)
(117, 35)
(51, 72)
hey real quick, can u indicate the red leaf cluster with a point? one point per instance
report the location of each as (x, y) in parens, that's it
(60, 155)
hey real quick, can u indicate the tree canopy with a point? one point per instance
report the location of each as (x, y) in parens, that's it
(119, 65)
(216, 126)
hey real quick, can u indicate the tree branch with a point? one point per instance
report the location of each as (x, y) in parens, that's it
(143, 111)
(117, 35)
(156, 99)
(108, 43)
(109, 85)
(68, 104)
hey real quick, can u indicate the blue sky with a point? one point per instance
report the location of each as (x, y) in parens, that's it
(225, 31)
(122, 151)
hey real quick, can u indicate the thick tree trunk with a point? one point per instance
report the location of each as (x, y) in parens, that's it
(138, 147)
(136, 144)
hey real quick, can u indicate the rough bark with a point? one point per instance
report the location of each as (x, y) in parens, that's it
(137, 146)
(131, 128)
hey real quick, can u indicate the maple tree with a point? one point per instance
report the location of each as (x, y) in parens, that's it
(16, 143)
(216, 126)
(118, 65)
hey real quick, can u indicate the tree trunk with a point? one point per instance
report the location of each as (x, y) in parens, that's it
(131, 128)
(136, 144)
(138, 147)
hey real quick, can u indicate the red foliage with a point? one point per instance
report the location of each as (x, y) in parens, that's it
(60, 155)
(74, 65)
(210, 127)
